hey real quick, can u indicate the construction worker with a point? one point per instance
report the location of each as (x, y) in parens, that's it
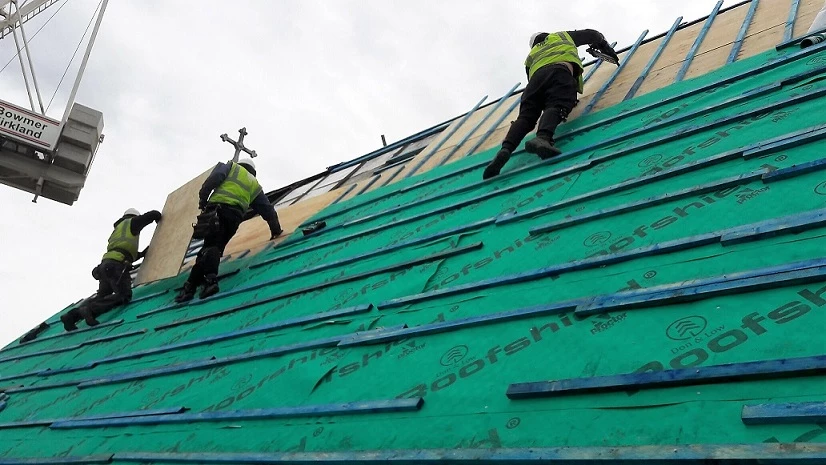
(115, 284)
(230, 190)
(554, 77)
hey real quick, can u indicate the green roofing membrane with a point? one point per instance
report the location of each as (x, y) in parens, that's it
(678, 239)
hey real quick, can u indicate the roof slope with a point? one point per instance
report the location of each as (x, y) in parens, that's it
(667, 271)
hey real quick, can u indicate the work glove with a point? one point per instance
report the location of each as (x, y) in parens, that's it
(155, 215)
(605, 48)
(202, 204)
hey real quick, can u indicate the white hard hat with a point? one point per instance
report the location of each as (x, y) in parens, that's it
(132, 212)
(247, 162)
(533, 37)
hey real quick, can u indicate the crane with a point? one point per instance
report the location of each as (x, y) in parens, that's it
(40, 154)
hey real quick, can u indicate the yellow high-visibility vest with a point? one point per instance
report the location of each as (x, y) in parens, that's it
(558, 47)
(239, 189)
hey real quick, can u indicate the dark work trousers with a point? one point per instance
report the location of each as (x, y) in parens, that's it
(114, 288)
(209, 258)
(552, 89)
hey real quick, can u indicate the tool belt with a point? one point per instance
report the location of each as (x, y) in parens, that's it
(208, 222)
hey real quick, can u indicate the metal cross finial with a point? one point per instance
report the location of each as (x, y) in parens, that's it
(239, 146)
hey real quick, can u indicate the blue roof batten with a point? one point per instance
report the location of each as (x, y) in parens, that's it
(702, 35)
(395, 145)
(644, 73)
(695, 454)
(479, 124)
(349, 408)
(607, 83)
(432, 151)
(784, 414)
(738, 42)
(494, 126)
(732, 372)
(789, 30)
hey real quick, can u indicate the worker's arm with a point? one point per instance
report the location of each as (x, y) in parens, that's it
(141, 221)
(594, 39)
(263, 207)
(215, 178)
(587, 37)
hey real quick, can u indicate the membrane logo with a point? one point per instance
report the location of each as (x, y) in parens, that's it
(752, 326)
(650, 160)
(596, 239)
(686, 328)
(454, 355)
(747, 193)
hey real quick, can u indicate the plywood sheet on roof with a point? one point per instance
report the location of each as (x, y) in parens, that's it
(491, 140)
(806, 15)
(717, 44)
(594, 84)
(173, 233)
(354, 192)
(766, 28)
(254, 233)
(616, 93)
(466, 128)
(724, 29)
(667, 66)
(478, 116)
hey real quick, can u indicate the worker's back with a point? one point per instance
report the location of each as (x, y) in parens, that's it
(238, 189)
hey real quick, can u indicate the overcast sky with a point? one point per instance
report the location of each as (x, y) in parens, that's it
(314, 82)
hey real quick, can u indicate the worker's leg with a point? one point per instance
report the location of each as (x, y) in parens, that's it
(208, 258)
(530, 108)
(203, 262)
(230, 220)
(115, 289)
(560, 98)
(70, 318)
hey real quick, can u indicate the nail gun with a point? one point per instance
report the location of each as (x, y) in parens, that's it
(602, 56)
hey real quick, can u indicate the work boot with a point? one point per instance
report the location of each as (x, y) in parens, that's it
(68, 321)
(88, 316)
(496, 165)
(210, 286)
(542, 147)
(187, 293)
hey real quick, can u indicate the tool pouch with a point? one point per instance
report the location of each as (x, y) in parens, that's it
(208, 222)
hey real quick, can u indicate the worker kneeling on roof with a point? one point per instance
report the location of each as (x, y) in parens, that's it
(554, 78)
(224, 198)
(115, 283)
